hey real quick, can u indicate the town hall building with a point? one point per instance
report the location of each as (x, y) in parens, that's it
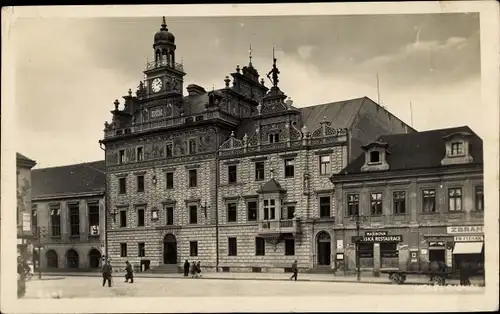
(237, 178)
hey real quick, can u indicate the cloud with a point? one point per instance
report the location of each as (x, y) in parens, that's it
(305, 52)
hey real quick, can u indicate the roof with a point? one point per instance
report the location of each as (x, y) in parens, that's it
(22, 160)
(341, 114)
(419, 150)
(271, 186)
(68, 180)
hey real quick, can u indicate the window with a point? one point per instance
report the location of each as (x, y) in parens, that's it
(232, 172)
(93, 214)
(193, 214)
(34, 220)
(74, 219)
(274, 138)
(290, 247)
(123, 249)
(374, 157)
(170, 149)
(192, 146)
(193, 178)
(123, 185)
(140, 217)
(259, 171)
(365, 250)
(269, 209)
(122, 156)
(399, 201)
(169, 213)
(193, 248)
(429, 201)
(324, 165)
(170, 180)
(260, 246)
(376, 203)
(457, 149)
(352, 204)
(140, 183)
(123, 218)
(455, 199)
(55, 221)
(388, 249)
(252, 211)
(232, 247)
(289, 168)
(290, 212)
(232, 212)
(140, 154)
(324, 207)
(479, 198)
(141, 249)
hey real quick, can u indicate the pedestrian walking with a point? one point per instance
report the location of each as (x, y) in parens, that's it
(198, 268)
(186, 268)
(295, 271)
(194, 270)
(106, 273)
(129, 272)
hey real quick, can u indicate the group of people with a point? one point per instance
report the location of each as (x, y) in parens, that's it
(195, 270)
(22, 269)
(107, 271)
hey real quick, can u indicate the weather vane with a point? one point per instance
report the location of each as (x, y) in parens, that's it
(250, 55)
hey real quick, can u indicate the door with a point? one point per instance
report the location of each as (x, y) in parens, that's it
(438, 255)
(169, 249)
(324, 248)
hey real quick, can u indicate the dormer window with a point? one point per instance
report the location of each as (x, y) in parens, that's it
(274, 138)
(457, 149)
(374, 157)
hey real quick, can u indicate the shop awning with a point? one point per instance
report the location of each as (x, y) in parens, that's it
(468, 247)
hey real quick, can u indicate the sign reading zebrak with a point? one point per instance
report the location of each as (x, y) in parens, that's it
(464, 229)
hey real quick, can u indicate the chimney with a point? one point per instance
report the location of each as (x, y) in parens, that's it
(195, 90)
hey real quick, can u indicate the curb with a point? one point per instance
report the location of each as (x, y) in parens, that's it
(388, 282)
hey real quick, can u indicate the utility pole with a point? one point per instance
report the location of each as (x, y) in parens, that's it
(39, 233)
(358, 270)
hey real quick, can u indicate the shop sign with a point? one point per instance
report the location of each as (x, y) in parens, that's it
(340, 244)
(471, 238)
(340, 256)
(383, 238)
(26, 222)
(464, 229)
(375, 233)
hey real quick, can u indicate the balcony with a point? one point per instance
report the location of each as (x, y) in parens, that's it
(163, 63)
(277, 227)
(170, 122)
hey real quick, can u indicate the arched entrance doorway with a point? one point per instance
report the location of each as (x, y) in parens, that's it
(52, 259)
(169, 249)
(72, 259)
(94, 258)
(324, 246)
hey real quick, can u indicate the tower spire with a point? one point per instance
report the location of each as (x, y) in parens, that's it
(250, 55)
(164, 25)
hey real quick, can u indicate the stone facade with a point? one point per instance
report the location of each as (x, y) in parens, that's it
(161, 134)
(23, 187)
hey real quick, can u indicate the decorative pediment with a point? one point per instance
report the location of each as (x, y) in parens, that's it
(232, 143)
(326, 130)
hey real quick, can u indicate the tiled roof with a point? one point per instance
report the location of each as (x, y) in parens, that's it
(68, 180)
(271, 186)
(419, 150)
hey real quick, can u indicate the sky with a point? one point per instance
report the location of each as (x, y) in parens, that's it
(69, 71)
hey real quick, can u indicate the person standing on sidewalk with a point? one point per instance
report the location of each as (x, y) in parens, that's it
(186, 268)
(295, 271)
(106, 273)
(130, 272)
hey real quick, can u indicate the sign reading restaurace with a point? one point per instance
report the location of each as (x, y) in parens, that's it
(465, 229)
(380, 238)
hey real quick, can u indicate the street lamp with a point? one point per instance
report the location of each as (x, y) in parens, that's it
(40, 232)
(358, 218)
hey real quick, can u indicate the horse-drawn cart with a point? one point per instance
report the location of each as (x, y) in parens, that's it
(399, 276)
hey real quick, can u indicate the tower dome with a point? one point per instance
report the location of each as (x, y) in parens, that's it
(163, 36)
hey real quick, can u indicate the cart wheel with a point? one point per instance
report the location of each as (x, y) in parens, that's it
(402, 279)
(437, 280)
(395, 278)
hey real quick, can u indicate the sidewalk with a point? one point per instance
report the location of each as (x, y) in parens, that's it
(365, 278)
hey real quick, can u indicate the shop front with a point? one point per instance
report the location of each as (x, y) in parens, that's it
(468, 245)
(378, 250)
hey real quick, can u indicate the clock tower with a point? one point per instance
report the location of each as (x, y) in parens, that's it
(162, 93)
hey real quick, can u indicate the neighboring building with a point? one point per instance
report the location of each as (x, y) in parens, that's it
(68, 215)
(420, 195)
(23, 183)
(236, 178)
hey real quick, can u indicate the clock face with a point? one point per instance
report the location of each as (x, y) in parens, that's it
(156, 85)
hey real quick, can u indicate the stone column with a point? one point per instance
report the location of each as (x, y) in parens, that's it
(468, 199)
(376, 257)
(413, 201)
(387, 205)
(64, 222)
(84, 222)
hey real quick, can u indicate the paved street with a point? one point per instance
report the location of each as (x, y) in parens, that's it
(79, 287)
